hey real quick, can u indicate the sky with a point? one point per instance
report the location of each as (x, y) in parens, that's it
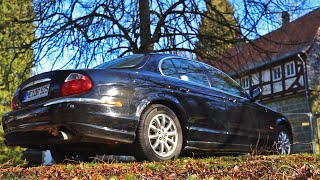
(264, 26)
(273, 20)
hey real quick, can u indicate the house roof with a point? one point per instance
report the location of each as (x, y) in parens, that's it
(290, 39)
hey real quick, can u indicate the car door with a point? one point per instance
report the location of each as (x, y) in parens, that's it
(205, 109)
(243, 125)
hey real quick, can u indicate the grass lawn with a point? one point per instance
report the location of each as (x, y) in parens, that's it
(298, 166)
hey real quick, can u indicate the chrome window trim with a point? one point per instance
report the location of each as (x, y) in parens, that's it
(36, 82)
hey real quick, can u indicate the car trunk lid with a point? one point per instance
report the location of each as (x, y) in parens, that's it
(40, 88)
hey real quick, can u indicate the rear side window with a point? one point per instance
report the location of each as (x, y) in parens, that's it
(169, 69)
(221, 81)
(185, 70)
(124, 62)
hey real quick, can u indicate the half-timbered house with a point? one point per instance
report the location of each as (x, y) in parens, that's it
(286, 65)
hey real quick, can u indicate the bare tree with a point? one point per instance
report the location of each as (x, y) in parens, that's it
(80, 32)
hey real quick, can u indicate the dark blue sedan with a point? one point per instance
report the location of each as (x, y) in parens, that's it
(152, 106)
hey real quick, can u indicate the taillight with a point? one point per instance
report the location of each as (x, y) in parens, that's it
(76, 83)
(13, 104)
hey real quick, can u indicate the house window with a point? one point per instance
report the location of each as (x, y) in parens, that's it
(276, 73)
(246, 82)
(290, 69)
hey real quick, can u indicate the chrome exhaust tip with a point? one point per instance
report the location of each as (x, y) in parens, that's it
(65, 136)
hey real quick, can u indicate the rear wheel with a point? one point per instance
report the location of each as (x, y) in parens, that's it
(159, 135)
(283, 142)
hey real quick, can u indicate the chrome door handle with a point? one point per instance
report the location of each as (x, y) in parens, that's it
(232, 100)
(184, 90)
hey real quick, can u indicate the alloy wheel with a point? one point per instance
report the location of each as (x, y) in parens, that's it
(163, 135)
(283, 143)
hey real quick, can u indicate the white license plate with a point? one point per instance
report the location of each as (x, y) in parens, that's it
(36, 93)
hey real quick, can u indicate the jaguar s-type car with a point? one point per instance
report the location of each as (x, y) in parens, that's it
(153, 106)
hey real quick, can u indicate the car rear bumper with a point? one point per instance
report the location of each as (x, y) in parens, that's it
(82, 122)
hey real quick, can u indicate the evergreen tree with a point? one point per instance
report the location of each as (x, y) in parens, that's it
(218, 30)
(16, 59)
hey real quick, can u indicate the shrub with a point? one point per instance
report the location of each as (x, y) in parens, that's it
(11, 156)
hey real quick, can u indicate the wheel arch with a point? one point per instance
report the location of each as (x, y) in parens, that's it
(176, 108)
(285, 123)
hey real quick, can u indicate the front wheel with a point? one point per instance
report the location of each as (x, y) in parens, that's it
(159, 135)
(283, 142)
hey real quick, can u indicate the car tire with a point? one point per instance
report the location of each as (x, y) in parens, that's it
(159, 134)
(63, 156)
(283, 141)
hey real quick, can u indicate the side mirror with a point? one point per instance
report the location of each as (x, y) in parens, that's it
(255, 93)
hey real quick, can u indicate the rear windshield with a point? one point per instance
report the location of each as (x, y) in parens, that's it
(124, 62)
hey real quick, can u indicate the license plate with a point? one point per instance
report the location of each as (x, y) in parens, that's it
(36, 93)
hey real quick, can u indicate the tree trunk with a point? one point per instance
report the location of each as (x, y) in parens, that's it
(145, 32)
